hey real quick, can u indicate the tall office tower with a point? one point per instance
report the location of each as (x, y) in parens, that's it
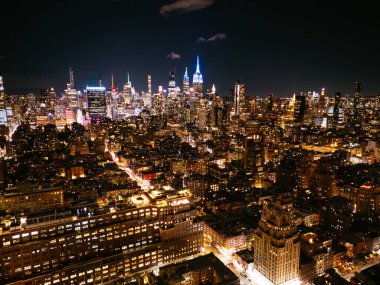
(254, 153)
(276, 242)
(356, 119)
(198, 79)
(171, 86)
(73, 97)
(96, 100)
(202, 115)
(186, 83)
(364, 202)
(127, 91)
(239, 99)
(149, 84)
(338, 119)
(269, 102)
(71, 75)
(322, 101)
(3, 113)
(299, 107)
(211, 94)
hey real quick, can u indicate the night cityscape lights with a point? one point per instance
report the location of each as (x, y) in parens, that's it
(174, 172)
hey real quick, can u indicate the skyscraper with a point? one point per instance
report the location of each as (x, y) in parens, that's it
(171, 88)
(276, 243)
(356, 119)
(198, 79)
(149, 84)
(71, 73)
(186, 83)
(73, 96)
(239, 99)
(338, 110)
(254, 158)
(299, 107)
(96, 97)
(3, 114)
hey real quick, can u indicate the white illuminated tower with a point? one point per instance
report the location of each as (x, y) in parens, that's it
(198, 79)
(149, 85)
(239, 104)
(186, 83)
(3, 113)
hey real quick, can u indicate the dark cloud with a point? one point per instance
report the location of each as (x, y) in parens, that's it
(173, 55)
(214, 38)
(183, 6)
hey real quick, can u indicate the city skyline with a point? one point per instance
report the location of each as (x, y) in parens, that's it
(300, 48)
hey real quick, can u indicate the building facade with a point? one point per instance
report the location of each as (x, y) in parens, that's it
(276, 242)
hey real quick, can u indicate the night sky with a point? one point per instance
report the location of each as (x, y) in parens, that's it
(276, 47)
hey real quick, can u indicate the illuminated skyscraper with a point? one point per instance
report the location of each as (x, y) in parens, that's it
(269, 102)
(149, 84)
(253, 158)
(198, 79)
(276, 242)
(338, 110)
(3, 114)
(96, 97)
(299, 107)
(186, 83)
(73, 96)
(356, 119)
(171, 87)
(239, 99)
(71, 73)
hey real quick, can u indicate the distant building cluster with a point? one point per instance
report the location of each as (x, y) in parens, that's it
(108, 185)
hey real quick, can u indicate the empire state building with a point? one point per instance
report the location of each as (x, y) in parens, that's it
(198, 79)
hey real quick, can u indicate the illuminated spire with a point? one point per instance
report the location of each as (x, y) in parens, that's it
(197, 77)
(128, 81)
(213, 89)
(186, 76)
(112, 82)
(198, 69)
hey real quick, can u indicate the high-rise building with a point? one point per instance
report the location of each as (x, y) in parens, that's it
(322, 102)
(239, 99)
(202, 116)
(337, 106)
(364, 202)
(96, 98)
(356, 119)
(3, 113)
(71, 74)
(171, 86)
(276, 242)
(149, 84)
(254, 158)
(269, 102)
(299, 107)
(73, 97)
(186, 83)
(198, 79)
